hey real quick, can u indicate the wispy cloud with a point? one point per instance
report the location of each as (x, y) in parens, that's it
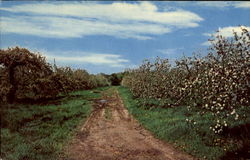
(70, 28)
(123, 20)
(170, 51)
(207, 43)
(109, 60)
(218, 4)
(81, 57)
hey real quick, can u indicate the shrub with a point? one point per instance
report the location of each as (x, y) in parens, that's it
(20, 72)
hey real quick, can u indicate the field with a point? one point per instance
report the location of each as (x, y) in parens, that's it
(39, 131)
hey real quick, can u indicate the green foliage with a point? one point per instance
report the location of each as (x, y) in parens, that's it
(39, 132)
(26, 75)
(116, 78)
(101, 80)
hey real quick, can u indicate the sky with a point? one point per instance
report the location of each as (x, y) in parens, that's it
(108, 37)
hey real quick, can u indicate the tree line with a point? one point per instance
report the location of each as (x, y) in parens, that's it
(27, 75)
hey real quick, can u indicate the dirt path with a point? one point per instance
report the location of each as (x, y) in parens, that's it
(111, 133)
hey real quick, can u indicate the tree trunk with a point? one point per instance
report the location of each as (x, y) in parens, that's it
(12, 93)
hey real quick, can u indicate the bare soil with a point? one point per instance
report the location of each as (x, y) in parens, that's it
(111, 133)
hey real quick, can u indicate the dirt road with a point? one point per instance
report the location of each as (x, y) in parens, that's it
(111, 133)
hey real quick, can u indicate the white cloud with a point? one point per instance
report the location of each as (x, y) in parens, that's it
(109, 60)
(228, 31)
(207, 34)
(224, 4)
(207, 43)
(169, 51)
(122, 20)
(81, 57)
(242, 4)
(218, 4)
(68, 27)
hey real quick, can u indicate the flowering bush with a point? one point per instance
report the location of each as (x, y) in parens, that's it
(218, 83)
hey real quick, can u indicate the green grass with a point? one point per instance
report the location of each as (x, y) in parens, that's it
(109, 91)
(39, 132)
(107, 113)
(169, 124)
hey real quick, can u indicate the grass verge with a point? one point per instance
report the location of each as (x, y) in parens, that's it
(192, 136)
(39, 132)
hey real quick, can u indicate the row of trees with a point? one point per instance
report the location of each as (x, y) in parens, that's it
(24, 74)
(218, 83)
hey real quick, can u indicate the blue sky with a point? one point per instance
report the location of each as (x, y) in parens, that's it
(110, 36)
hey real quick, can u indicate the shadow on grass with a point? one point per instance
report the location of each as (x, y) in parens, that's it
(239, 131)
(242, 153)
(48, 101)
(242, 134)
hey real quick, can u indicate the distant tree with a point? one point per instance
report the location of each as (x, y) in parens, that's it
(116, 78)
